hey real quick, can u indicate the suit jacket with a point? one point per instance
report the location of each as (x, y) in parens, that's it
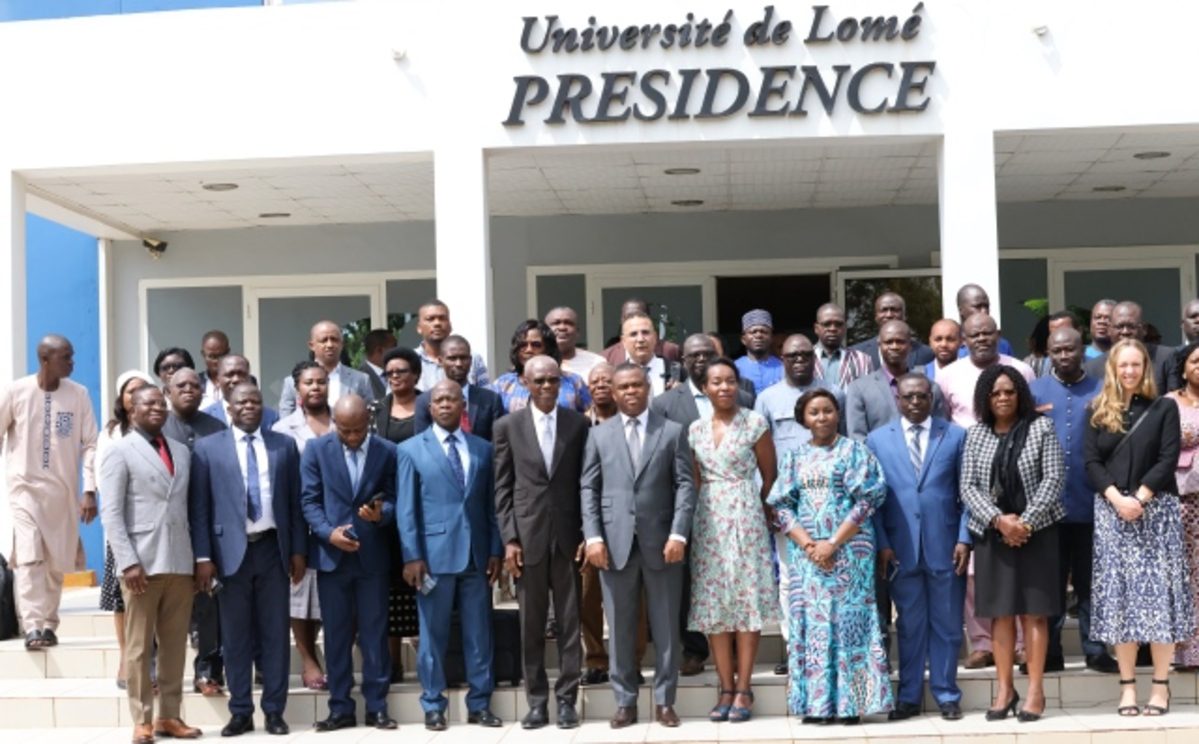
(217, 500)
(351, 380)
(678, 404)
(329, 501)
(854, 364)
(869, 403)
(536, 508)
(483, 407)
(923, 514)
(1161, 362)
(652, 503)
(451, 528)
(378, 384)
(270, 416)
(919, 356)
(144, 509)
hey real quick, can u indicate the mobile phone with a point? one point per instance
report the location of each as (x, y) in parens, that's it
(428, 584)
(350, 533)
(892, 570)
(215, 587)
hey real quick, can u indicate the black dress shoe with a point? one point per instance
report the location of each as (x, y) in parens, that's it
(1103, 663)
(334, 723)
(435, 720)
(380, 721)
(276, 726)
(239, 724)
(568, 716)
(536, 718)
(817, 720)
(903, 711)
(484, 718)
(594, 677)
(951, 711)
(850, 720)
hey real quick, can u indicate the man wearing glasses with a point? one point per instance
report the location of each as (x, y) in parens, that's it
(1128, 322)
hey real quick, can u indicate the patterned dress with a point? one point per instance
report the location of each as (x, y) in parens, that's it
(1187, 475)
(732, 581)
(572, 393)
(837, 663)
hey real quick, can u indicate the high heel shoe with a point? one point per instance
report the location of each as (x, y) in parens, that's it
(1128, 711)
(721, 711)
(1157, 710)
(737, 714)
(998, 714)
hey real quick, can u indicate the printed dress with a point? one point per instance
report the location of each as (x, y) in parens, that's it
(732, 579)
(836, 659)
(1187, 475)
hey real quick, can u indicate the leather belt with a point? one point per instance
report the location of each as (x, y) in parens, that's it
(254, 537)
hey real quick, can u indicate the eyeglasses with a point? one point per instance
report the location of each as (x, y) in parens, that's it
(800, 355)
(915, 397)
(547, 380)
(171, 366)
(532, 344)
(398, 372)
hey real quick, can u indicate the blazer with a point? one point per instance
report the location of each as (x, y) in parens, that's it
(1148, 459)
(538, 508)
(217, 500)
(144, 509)
(329, 501)
(923, 514)
(351, 380)
(652, 503)
(451, 528)
(920, 354)
(1042, 469)
(270, 416)
(678, 404)
(483, 407)
(854, 364)
(869, 403)
(378, 384)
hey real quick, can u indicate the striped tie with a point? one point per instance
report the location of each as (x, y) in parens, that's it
(914, 447)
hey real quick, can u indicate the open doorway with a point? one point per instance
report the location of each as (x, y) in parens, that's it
(791, 299)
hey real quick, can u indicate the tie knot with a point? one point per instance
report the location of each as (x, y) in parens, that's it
(633, 423)
(248, 438)
(916, 428)
(451, 439)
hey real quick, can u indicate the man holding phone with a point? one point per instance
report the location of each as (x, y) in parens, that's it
(923, 545)
(348, 495)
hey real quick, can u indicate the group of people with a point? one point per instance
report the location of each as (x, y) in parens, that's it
(947, 485)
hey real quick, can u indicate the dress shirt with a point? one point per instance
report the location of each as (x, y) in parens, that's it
(1066, 404)
(431, 372)
(762, 374)
(932, 369)
(266, 521)
(334, 385)
(777, 405)
(463, 452)
(701, 401)
(212, 393)
(355, 471)
(957, 383)
(1093, 353)
(582, 363)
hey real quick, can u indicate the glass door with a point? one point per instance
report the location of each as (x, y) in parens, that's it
(1160, 286)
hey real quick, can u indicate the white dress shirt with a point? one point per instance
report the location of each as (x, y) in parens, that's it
(334, 385)
(701, 401)
(212, 393)
(267, 520)
(463, 451)
(656, 369)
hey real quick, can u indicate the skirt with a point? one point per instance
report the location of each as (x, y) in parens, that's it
(1018, 581)
(1187, 654)
(402, 620)
(1139, 590)
(110, 587)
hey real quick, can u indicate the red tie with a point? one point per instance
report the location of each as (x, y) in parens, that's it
(160, 443)
(464, 424)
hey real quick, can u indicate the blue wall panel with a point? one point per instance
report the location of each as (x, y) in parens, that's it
(27, 10)
(62, 285)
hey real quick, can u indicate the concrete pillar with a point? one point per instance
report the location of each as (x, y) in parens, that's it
(967, 211)
(463, 249)
(12, 310)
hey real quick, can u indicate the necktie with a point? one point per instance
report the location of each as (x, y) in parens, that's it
(634, 439)
(160, 444)
(451, 443)
(253, 492)
(355, 475)
(914, 447)
(464, 422)
(547, 444)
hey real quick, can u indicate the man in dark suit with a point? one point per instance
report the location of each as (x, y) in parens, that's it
(247, 527)
(450, 543)
(348, 492)
(891, 306)
(483, 406)
(232, 370)
(538, 461)
(638, 496)
(374, 346)
(870, 401)
(1128, 322)
(684, 404)
(923, 545)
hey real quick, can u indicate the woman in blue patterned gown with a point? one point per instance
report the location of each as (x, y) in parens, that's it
(825, 493)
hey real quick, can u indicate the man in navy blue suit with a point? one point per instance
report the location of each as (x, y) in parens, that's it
(233, 370)
(450, 542)
(483, 406)
(923, 545)
(348, 493)
(247, 528)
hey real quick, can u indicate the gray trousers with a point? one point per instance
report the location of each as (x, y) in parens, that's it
(554, 574)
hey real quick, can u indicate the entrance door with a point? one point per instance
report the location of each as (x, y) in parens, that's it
(1160, 286)
(792, 302)
(677, 310)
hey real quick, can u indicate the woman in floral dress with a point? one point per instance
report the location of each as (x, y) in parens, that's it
(826, 491)
(732, 581)
(1186, 656)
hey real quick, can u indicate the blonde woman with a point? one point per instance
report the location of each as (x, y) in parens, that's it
(1140, 590)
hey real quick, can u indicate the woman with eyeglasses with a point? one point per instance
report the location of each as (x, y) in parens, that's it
(534, 338)
(1139, 589)
(169, 361)
(1013, 471)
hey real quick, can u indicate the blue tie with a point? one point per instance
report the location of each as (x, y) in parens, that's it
(253, 493)
(355, 474)
(455, 459)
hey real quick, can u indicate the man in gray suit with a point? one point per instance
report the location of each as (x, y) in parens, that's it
(144, 479)
(870, 401)
(325, 342)
(638, 497)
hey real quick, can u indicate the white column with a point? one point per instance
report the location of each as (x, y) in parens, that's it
(12, 309)
(104, 285)
(967, 210)
(463, 248)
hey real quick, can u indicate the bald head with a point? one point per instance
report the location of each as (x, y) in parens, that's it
(945, 339)
(325, 342)
(1065, 351)
(56, 360)
(894, 343)
(446, 404)
(184, 392)
(543, 380)
(982, 339)
(830, 325)
(972, 299)
(353, 420)
(51, 342)
(1127, 321)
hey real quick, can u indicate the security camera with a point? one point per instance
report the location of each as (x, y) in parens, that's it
(155, 247)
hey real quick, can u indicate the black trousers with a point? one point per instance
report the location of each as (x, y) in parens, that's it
(1075, 541)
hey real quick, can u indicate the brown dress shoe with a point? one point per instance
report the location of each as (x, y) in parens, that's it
(624, 717)
(143, 733)
(208, 687)
(979, 660)
(175, 728)
(666, 716)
